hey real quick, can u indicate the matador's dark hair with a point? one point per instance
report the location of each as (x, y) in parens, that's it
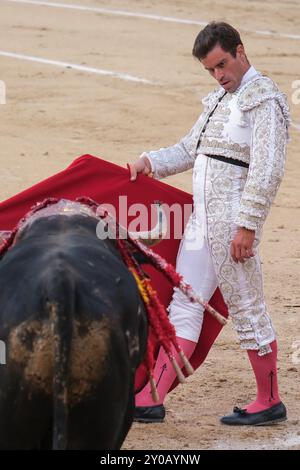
(216, 33)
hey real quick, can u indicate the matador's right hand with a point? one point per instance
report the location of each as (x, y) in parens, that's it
(142, 165)
(241, 247)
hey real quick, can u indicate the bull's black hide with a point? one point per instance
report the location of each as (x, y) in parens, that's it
(74, 327)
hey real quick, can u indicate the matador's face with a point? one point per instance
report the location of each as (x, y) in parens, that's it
(226, 69)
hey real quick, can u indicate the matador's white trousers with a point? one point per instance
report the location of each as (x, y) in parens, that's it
(205, 261)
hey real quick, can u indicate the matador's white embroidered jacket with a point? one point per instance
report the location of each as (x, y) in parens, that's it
(248, 125)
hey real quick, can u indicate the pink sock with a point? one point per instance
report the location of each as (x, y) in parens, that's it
(164, 374)
(265, 370)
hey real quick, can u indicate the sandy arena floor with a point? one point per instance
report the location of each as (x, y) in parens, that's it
(54, 114)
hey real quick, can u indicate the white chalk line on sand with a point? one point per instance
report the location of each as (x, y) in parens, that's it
(132, 14)
(81, 68)
(295, 125)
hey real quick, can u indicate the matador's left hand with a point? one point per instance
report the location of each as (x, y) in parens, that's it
(242, 246)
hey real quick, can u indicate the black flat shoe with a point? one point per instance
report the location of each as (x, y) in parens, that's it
(275, 414)
(149, 414)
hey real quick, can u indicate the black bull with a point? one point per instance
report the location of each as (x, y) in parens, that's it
(75, 330)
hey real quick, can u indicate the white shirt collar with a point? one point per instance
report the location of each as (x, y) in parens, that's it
(251, 72)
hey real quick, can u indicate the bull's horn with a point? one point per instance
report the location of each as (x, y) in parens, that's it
(154, 236)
